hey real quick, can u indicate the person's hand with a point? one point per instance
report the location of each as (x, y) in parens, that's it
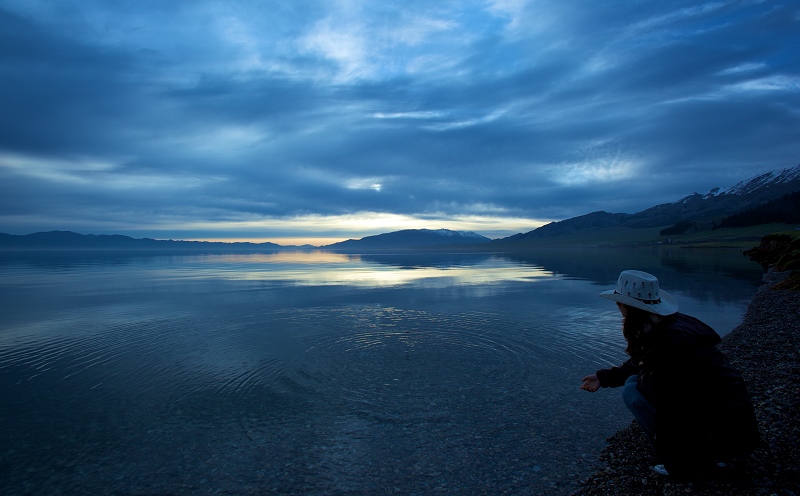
(590, 383)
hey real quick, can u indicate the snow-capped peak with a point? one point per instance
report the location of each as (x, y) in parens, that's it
(463, 234)
(749, 185)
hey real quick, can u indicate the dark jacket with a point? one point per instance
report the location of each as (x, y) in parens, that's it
(703, 410)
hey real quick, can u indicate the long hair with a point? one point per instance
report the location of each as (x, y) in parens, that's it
(633, 328)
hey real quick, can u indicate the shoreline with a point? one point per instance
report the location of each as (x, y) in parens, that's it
(765, 348)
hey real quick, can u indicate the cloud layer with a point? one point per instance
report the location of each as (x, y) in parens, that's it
(201, 119)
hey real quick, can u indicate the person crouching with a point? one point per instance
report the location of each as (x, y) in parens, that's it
(691, 404)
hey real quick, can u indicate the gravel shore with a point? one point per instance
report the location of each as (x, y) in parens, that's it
(765, 348)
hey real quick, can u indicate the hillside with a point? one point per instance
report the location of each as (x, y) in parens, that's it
(784, 209)
(703, 212)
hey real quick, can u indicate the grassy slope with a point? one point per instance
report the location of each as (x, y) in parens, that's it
(742, 237)
(731, 236)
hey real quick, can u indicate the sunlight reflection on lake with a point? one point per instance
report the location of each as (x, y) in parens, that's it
(325, 268)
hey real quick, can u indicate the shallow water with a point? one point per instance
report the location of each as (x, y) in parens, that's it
(321, 373)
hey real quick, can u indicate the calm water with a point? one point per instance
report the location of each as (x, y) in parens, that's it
(320, 373)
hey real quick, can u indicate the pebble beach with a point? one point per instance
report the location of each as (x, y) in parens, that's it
(765, 348)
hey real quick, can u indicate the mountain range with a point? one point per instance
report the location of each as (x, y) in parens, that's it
(759, 194)
(59, 240)
(71, 240)
(695, 211)
(700, 211)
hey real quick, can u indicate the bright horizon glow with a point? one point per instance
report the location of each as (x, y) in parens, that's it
(312, 230)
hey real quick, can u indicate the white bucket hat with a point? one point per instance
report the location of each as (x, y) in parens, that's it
(640, 290)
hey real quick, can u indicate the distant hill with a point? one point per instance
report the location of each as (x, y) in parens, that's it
(697, 211)
(60, 240)
(410, 238)
(594, 220)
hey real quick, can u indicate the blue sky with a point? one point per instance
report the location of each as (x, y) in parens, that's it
(318, 121)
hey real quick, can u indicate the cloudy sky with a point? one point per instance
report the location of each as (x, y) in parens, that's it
(321, 120)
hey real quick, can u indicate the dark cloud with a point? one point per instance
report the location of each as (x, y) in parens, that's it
(204, 112)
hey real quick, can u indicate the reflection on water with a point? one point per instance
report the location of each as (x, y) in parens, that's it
(319, 372)
(325, 268)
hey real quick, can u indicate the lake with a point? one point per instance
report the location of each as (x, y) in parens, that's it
(323, 373)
